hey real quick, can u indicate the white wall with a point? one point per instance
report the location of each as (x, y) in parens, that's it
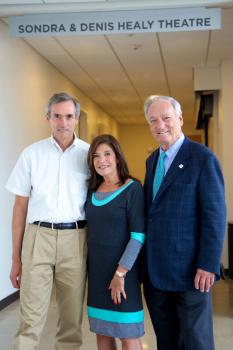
(26, 83)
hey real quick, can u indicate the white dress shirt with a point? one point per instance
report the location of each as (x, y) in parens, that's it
(55, 181)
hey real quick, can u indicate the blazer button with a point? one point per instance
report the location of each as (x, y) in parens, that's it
(150, 220)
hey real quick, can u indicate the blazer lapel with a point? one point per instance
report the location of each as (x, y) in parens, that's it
(151, 169)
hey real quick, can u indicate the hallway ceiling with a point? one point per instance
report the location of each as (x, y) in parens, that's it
(119, 71)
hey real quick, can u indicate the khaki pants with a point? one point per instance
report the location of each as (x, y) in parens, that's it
(59, 257)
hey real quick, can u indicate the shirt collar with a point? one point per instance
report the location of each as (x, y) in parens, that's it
(174, 148)
(54, 143)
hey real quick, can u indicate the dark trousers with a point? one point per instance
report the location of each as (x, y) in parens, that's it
(181, 320)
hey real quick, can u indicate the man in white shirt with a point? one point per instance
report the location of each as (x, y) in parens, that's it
(50, 186)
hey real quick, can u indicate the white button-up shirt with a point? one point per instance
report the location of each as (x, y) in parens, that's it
(55, 181)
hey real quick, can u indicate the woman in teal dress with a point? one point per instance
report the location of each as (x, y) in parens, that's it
(115, 215)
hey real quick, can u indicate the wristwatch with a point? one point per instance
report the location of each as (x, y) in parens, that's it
(120, 274)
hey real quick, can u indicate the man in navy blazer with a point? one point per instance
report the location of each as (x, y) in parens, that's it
(186, 223)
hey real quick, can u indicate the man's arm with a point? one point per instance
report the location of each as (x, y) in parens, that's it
(211, 198)
(18, 227)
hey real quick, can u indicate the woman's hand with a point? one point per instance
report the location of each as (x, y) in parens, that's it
(117, 287)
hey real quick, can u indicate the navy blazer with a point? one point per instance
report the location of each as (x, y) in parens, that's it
(186, 221)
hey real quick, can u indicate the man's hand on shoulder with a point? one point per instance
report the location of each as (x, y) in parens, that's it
(16, 272)
(204, 280)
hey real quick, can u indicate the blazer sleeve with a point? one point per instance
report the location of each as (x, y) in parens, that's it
(212, 212)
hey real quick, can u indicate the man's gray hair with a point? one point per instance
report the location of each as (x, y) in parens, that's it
(62, 97)
(153, 98)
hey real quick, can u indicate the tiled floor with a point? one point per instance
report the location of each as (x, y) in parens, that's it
(223, 324)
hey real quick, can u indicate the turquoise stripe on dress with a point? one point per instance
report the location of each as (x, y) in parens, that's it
(138, 236)
(99, 202)
(116, 316)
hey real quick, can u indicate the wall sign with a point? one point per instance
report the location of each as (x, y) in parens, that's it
(116, 22)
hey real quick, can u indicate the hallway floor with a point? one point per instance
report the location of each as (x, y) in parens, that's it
(223, 323)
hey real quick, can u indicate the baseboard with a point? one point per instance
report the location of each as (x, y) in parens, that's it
(8, 300)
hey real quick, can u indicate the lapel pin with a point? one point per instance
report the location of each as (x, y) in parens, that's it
(181, 166)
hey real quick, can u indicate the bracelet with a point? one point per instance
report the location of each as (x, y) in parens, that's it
(120, 274)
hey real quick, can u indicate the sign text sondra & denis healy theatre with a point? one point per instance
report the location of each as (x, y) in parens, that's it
(116, 22)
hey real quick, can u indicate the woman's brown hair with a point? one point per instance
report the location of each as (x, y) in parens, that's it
(122, 167)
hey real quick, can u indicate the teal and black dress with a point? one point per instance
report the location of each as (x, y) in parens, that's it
(115, 236)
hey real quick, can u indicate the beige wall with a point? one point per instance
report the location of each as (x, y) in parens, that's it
(137, 144)
(27, 81)
(101, 124)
